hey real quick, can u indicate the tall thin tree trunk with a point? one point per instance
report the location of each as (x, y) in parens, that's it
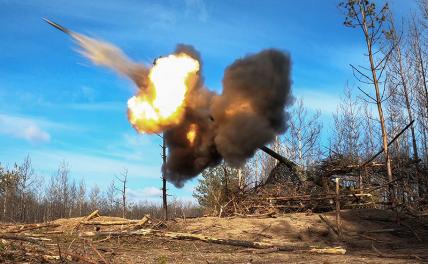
(412, 128)
(164, 194)
(378, 103)
(410, 115)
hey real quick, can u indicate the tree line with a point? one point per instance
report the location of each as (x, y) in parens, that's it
(27, 197)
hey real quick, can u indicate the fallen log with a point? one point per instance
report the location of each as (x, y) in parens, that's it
(23, 228)
(142, 222)
(91, 216)
(120, 222)
(329, 224)
(42, 247)
(86, 219)
(21, 238)
(332, 250)
(266, 215)
(222, 241)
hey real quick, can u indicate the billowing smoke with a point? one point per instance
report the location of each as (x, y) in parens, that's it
(248, 113)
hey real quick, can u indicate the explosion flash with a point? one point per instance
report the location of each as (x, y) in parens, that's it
(162, 104)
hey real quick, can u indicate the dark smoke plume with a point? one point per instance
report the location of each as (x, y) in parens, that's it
(248, 114)
(231, 126)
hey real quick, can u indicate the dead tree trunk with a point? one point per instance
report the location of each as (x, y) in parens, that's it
(122, 191)
(164, 194)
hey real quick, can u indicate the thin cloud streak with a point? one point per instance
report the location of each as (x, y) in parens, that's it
(23, 128)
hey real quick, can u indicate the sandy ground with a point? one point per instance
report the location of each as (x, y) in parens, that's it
(373, 237)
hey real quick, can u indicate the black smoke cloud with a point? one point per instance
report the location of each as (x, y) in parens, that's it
(230, 126)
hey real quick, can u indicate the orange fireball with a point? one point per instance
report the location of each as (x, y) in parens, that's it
(162, 104)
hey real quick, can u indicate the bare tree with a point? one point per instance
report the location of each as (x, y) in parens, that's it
(81, 196)
(370, 138)
(111, 197)
(301, 141)
(62, 175)
(25, 184)
(73, 198)
(347, 126)
(363, 14)
(421, 89)
(399, 69)
(95, 198)
(122, 190)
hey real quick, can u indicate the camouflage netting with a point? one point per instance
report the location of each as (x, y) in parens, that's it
(291, 189)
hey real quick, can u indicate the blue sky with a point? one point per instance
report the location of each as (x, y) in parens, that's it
(55, 105)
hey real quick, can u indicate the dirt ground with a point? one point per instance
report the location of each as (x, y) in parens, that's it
(370, 236)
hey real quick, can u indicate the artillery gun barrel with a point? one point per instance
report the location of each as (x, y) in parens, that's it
(291, 165)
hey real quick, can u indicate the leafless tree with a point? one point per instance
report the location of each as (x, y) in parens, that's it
(73, 198)
(94, 198)
(370, 137)
(26, 181)
(81, 196)
(301, 141)
(63, 174)
(400, 79)
(363, 14)
(421, 88)
(347, 126)
(122, 190)
(111, 197)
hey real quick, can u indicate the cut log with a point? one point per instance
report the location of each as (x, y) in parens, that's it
(32, 227)
(142, 222)
(332, 250)
(21, 238)
(91, 216)
(120, 222)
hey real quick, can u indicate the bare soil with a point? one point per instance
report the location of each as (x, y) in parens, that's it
(370, 236)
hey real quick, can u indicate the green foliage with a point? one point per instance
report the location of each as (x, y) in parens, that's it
(217, 187)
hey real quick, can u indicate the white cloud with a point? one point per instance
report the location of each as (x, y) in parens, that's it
(24, 128)
(147, 194)
(34, 133)
(151, 191)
